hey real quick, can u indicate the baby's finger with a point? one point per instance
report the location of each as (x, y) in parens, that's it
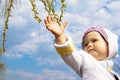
(45, 21)
(53, 19)
(64, 24)
(48, 26)
(49, 19)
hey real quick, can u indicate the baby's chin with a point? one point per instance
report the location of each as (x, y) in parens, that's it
(97, 58)
(95, 55)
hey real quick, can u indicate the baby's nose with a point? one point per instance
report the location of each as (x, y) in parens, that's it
(90, 44)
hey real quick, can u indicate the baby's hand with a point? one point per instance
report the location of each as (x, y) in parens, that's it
(54, 27)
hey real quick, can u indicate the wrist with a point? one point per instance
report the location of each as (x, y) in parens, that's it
(61, 39)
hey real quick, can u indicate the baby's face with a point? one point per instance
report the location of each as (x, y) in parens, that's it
(95, 45)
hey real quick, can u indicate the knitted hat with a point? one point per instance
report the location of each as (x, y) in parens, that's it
(110, 37)
(98, 29)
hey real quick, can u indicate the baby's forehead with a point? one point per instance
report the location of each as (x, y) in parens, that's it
(92, 34)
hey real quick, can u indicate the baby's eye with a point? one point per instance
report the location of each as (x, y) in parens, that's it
(85, 45)
(94, 40)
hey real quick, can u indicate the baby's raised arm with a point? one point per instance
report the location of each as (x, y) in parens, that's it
(56, 29)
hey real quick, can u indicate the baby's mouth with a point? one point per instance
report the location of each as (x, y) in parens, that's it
(91, 51)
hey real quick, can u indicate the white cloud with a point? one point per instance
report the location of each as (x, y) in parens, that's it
(45, 74)
(77, 19)
(57, 75)
(72, 2)
(23, 8)
(22, 75)
(103, 14)
(28, 46)
(114, 6)
(22, 13)
(19, 20)
(49, 61)
(13, 54)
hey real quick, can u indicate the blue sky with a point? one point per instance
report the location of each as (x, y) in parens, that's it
(30, 53)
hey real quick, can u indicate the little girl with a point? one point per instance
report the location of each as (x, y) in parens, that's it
(99, 58)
